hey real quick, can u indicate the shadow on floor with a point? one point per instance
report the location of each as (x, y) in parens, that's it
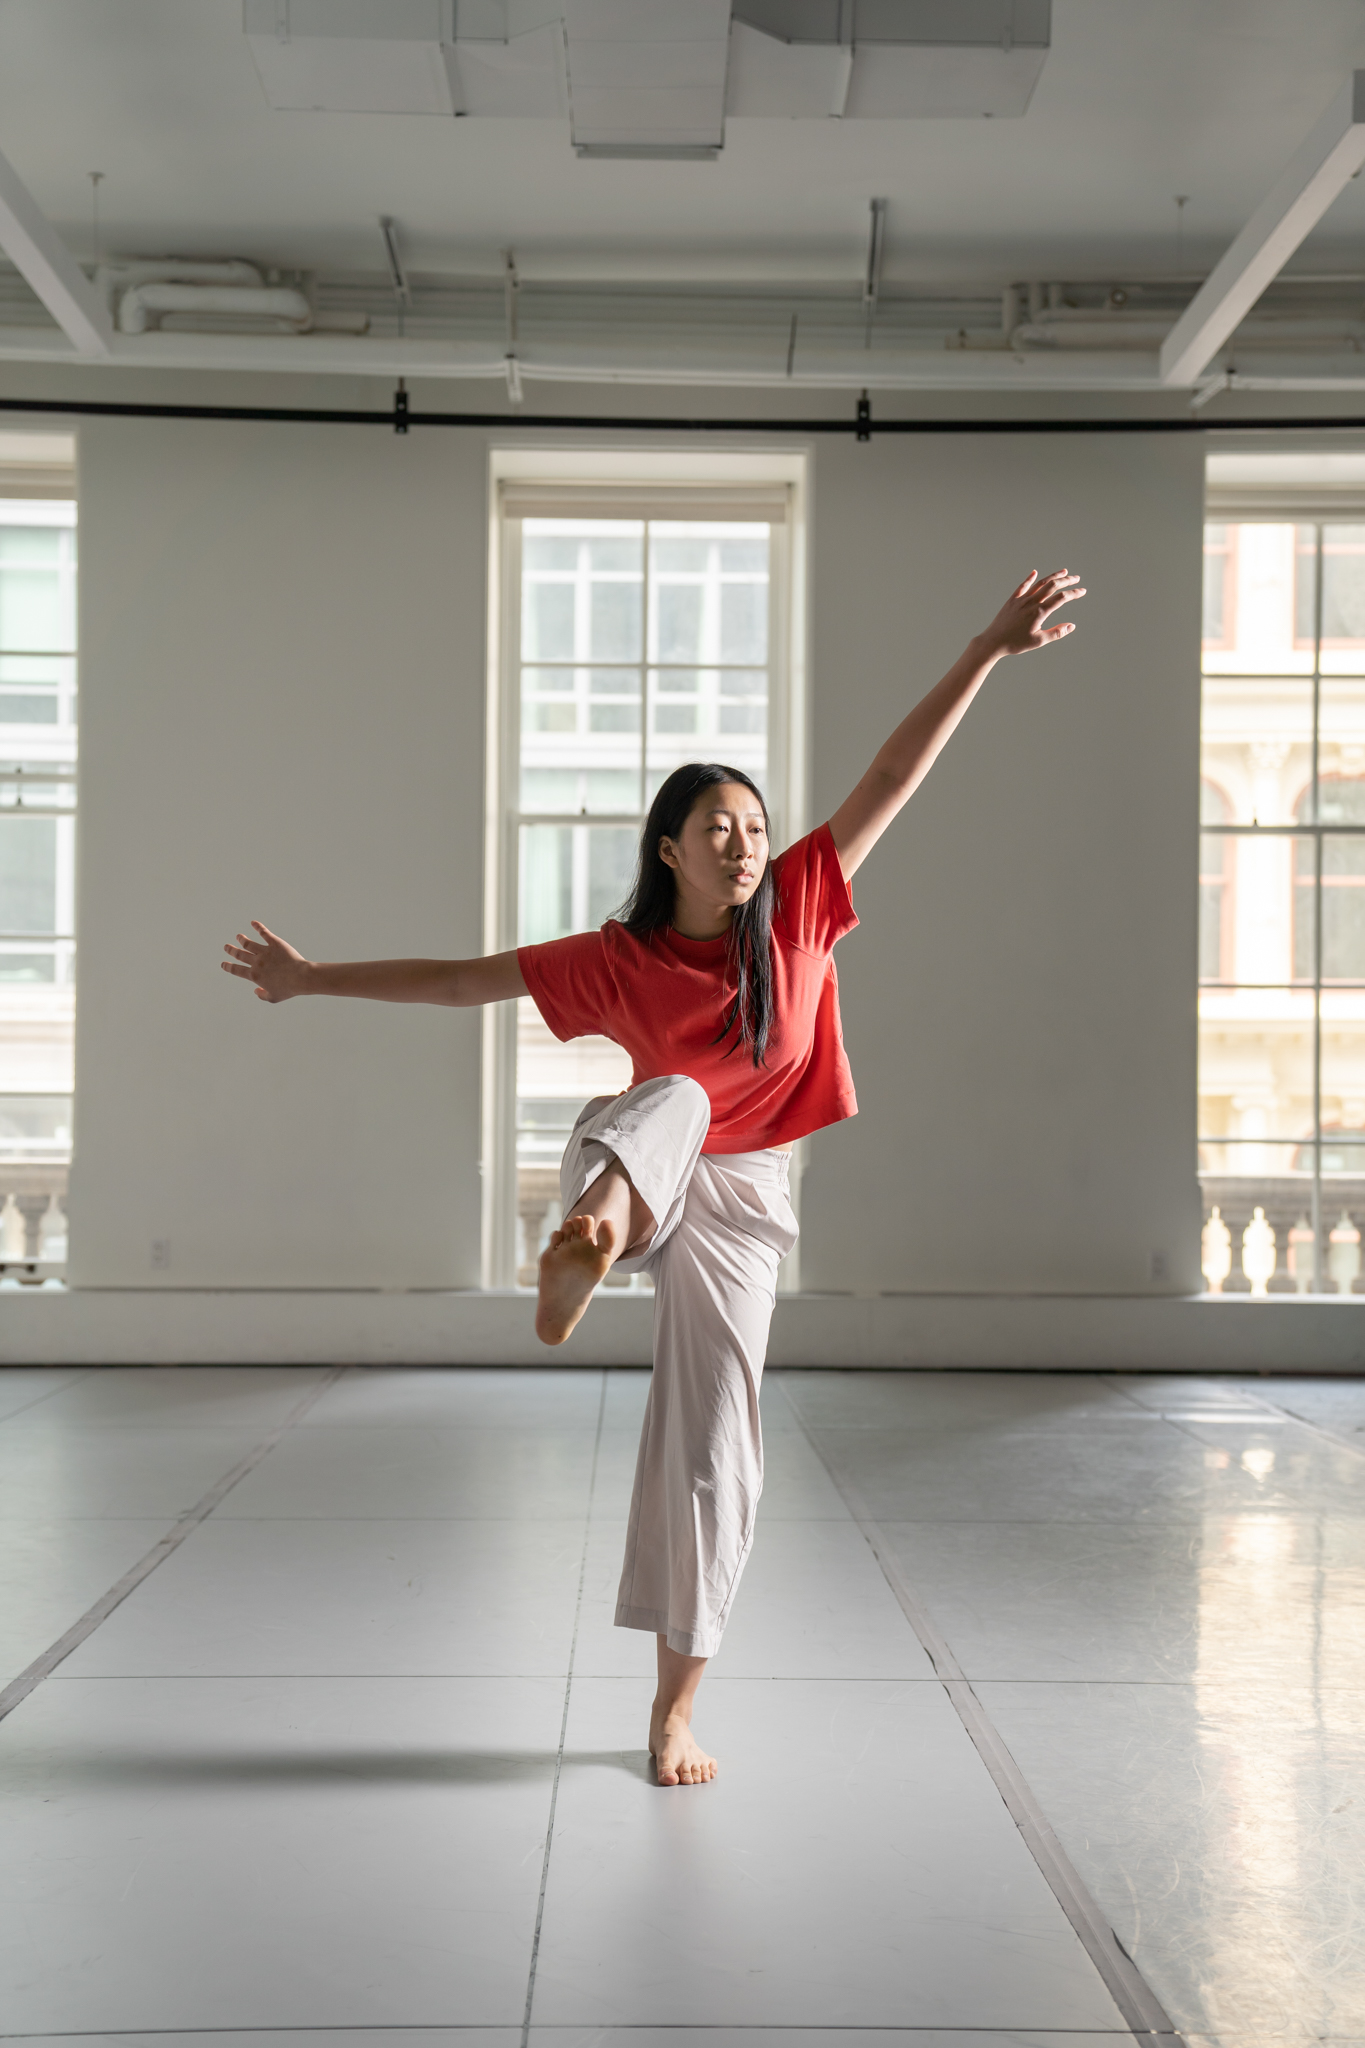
(389, 1767)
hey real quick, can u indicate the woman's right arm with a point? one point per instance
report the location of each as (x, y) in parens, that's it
(280, 972)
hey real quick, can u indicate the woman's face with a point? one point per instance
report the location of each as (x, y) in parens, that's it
(722, 850)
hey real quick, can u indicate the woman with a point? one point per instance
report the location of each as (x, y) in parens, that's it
(719, 981)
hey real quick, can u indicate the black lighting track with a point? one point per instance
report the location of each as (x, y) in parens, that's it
(862, 426)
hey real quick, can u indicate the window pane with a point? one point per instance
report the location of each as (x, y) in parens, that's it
(1305, 915)
(1343, 1065)
(680, 621)
(1341, 743)
(1257, 747)
(547, 621)
(545, 876)
(1214, 906)
(744, 621)
(28, 874)
(701, 714)
(35, 1127)
(1260, 604)
(611, 854)
(1217, 609)
(616, 621)
(1343, 586)
(37, 590)
(1255, 1074)
(1343, 907)
(572, 878)
(1305, 585)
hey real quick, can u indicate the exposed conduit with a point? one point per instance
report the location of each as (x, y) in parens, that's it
(863, 428)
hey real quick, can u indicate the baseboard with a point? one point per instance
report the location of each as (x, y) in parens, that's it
(166, 1326)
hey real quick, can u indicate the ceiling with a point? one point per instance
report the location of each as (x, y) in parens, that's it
(703, 271)
(1136, 103)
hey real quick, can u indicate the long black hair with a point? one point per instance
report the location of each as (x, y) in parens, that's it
(649, 907)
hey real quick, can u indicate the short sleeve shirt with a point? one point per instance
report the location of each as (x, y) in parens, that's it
(664, 998)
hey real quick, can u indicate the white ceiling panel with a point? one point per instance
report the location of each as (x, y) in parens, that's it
(1135, 105)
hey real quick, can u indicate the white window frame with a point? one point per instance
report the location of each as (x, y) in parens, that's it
(57, 508)
(626, 484)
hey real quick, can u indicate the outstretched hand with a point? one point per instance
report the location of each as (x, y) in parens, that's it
(1022, 620)
(271, 962)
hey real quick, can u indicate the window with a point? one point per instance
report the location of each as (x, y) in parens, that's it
(1282, 886)
(1219, 584)
(37, 871)
(1215, 904)
(636, 638)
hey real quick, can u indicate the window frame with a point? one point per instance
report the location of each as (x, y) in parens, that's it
(29, 745)
(1312, 829)
(775, 500)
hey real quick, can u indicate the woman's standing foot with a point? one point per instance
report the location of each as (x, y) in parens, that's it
(678, 1757)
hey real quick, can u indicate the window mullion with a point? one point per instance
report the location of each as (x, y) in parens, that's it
(1316, 1215)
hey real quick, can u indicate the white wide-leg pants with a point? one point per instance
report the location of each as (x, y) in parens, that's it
(723, 1224)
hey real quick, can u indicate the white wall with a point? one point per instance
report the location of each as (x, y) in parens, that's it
(282, 672)
(1019, 1004)
(283, 634)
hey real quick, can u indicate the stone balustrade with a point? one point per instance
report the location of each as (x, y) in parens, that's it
(33, 1222)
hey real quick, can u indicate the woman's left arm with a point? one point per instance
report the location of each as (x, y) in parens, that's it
(917, 742)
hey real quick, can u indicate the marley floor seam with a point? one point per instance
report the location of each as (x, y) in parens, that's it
(80, 1631)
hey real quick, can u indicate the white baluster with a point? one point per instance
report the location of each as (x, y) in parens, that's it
(52, 1234)
(1343, 1260)
(1299, 1257)
(1258, 1252)
(12, 1232)
(1216, 1243)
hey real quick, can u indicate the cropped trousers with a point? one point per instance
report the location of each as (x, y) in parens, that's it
(723, 1223)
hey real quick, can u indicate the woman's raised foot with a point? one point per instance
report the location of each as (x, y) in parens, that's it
(571, 1267)
(678, 1757)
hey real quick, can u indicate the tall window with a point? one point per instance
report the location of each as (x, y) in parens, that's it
(1282, 891)
(37, 875)
(634, 644)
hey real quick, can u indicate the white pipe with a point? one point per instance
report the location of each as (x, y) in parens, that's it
(1120, 332)
(117, 273)
(271, 302)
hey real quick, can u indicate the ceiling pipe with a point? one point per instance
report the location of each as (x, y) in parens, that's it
(279, 303)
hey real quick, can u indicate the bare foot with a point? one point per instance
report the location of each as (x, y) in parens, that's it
(678, 1757)
(571, 1266)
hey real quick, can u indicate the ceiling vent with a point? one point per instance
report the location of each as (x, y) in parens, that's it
(886, 60)
(651, 78)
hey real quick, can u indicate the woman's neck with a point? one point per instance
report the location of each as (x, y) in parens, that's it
(694, 918)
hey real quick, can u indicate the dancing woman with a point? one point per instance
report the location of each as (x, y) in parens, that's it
(718, 980)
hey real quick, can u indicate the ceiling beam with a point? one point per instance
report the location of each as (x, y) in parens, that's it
(43, 259)
(1327, 161)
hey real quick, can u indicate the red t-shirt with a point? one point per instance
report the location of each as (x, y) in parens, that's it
(663, 998)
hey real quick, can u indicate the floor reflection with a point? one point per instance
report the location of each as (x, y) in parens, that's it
(1279, 1909)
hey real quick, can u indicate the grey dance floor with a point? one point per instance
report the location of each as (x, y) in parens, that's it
(1021, 1663)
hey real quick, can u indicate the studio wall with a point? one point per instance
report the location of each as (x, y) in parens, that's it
(283, 633)
(1019, 1002)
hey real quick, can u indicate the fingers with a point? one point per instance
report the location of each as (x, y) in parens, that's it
(1020, 588)
(1061, 597)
